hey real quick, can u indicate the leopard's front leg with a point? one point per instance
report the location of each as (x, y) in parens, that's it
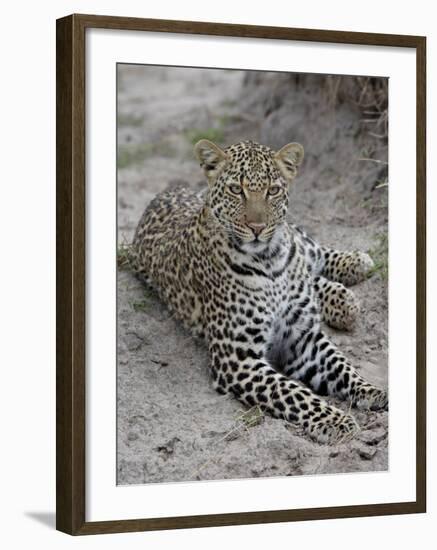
(239, 366)
(348, 268)
(317, 362)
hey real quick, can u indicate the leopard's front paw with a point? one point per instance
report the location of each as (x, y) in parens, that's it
(333, 429)
(358, 268)
(371, 398)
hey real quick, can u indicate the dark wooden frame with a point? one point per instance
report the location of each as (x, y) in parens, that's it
(70, 237)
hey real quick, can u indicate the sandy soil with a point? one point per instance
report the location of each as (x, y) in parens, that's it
(172, 425)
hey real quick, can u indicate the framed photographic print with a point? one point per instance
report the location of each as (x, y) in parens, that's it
(240, 274)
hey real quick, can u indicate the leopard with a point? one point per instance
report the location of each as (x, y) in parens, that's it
(233, 269)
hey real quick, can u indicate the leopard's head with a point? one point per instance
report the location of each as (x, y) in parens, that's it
(248, 186)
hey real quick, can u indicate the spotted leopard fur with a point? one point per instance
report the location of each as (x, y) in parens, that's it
(234, 270)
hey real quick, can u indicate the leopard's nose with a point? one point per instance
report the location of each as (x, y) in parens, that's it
(256, 227)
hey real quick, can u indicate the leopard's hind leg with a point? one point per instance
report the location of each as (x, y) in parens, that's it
(339, 308)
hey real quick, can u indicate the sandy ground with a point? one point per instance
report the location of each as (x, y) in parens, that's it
(172, 425)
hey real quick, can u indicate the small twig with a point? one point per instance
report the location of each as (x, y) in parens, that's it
(379, 136)
(374, 160)
(383, 184)
(243, 422)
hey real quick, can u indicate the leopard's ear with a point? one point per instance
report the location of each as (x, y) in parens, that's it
(288, 159)
(212, 159)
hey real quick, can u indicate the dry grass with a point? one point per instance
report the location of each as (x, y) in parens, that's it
(368, 93)
(123, 256)
(134, 154)
(379, 254)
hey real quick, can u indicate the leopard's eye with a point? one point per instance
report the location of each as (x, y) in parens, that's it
(274, 190)
(235, 189)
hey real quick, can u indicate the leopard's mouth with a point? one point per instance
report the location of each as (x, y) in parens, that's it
(250, 237)
(254, 242)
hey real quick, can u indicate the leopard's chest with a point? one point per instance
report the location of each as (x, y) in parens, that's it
(245, 290)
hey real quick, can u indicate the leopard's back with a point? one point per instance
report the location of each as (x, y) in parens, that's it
(164, 251)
